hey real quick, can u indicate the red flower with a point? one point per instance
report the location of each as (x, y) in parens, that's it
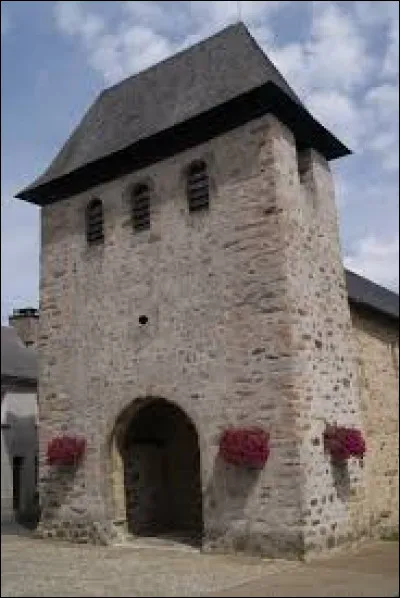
(246, 447)
(65, 450)
(343, 443)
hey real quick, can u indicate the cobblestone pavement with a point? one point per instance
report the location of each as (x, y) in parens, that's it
(32, 567)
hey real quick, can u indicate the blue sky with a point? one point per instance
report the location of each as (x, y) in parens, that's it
(340, 57)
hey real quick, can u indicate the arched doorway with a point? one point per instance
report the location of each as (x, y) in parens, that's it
(162, 479)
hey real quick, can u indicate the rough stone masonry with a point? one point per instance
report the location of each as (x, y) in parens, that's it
(247, 322)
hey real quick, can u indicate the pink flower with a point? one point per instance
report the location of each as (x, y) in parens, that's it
(246, 447)
(65, 450)
(342, 443)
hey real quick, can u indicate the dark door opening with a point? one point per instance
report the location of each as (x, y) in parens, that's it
(162, 474)
(17, 467)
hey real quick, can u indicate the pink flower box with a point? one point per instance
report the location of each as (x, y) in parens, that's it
(247, 447)
(65, 450)
(342, 443)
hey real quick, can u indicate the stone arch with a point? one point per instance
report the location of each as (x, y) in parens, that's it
(156, 471)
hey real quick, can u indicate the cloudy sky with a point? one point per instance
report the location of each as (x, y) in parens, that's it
(340, 57)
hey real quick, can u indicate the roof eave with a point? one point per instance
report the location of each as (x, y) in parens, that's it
(360, 302)
(18, 379)
(367, 294)
(199, 129)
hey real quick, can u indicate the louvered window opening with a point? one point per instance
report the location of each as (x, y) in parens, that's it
(95, 222)
(198, 188)
(141, 208)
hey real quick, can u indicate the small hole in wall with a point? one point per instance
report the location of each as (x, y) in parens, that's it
(143, 320)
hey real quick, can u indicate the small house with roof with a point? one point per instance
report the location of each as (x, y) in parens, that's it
(19, 417)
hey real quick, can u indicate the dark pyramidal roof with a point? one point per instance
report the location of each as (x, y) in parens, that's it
(212, 74)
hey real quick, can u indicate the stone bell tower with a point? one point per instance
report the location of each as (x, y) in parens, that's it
(191, 281)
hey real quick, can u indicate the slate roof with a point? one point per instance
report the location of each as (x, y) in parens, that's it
(17, 360)
(364, 292)
(209, 74)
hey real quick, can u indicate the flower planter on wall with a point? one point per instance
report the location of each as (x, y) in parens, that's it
(245, 447)
(342, 443)
(65, 450)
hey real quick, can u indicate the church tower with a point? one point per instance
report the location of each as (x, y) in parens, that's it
(192, 284)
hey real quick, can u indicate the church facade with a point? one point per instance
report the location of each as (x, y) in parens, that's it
(192, 284)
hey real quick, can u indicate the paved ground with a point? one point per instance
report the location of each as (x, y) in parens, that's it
(371, 571)
(44, 568)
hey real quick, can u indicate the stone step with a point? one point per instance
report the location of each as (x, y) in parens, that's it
(156, 543)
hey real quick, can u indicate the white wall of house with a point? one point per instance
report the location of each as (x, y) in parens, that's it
(19, 420)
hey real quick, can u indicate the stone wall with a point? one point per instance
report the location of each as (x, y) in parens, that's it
(248, 323)
(377, 340)
(322, 388)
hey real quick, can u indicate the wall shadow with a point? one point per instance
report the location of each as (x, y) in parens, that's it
(341, 479)
(58, 484)
(226, 496)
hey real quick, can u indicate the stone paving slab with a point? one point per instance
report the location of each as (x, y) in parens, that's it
(32, 567)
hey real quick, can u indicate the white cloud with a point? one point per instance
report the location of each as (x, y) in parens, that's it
(146, 12)
(366, 124)
(291, 61)
(342, 190)
(384, 101)
(335, 57)
(376, 259)
(373, 13)
(150, 31)
(337, 54)
(391, 62)
(386, 145)
(74, 20)
(132, 47)
(340, 113)
(381, 114)
(333, 69)
(221, 13)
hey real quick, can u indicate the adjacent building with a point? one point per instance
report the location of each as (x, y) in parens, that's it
(19, 417)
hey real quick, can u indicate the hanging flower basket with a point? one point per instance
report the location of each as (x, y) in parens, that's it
(246, 447)
(342, 443)
(65, 450)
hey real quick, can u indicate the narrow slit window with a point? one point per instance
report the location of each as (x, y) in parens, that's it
(95, 222)
(198, 192)
(141, 207)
